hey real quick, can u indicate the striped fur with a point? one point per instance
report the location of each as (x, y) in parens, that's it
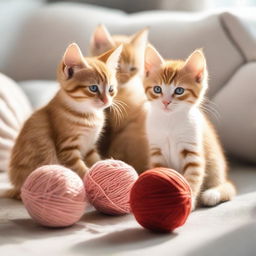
(124, 136)
(180, 135)
(66, 130)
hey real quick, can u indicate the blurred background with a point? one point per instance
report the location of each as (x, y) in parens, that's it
(131, 6)
(174, 5)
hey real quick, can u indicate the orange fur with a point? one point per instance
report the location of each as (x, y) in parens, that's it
(124, 137)
(65, 131)
(197, 155)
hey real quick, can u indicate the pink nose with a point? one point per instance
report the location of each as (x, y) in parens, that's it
(166, 102)
(104, 99)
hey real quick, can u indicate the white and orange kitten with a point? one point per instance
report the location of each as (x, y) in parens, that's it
(66, 130)
(180, 135)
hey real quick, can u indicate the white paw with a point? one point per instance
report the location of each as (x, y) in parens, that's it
(210, 197)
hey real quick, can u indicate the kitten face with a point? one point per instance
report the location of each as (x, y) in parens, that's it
(89, 82)
(172, 85)
(132, 56)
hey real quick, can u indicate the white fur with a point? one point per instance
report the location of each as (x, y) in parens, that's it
(174, 130)
(211, 197)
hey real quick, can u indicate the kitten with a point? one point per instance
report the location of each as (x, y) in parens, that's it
(180, 135)
(124, 136)
(65, 131)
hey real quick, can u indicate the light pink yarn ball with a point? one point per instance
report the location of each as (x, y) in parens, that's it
(108, 185)
(54, 196)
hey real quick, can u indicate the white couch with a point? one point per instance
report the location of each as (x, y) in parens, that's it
(30, 49)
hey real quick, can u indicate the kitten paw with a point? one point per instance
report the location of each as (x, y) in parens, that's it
(210, 197)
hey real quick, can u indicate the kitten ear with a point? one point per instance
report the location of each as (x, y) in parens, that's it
(153, 60)
(73, 56)
(101, 39)
(73, 59)
(111, 57)
(196, 65)
(140, 39)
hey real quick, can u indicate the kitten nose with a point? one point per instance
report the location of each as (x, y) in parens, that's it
(104, 99)
(166, 102)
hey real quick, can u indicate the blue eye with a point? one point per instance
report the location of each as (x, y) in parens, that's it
(157, 89)
(179, 90)
(93, 88)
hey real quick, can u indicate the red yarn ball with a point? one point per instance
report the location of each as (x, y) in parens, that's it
(161, 200)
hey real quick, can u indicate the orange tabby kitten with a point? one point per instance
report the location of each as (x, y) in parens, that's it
(180, 135)
(124, 136)
(65, 131)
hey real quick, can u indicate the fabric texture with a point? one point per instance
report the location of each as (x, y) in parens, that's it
(242, 30)
(176, 35)
(227, 229)
(14, 110)
(13, 16)
(39, 92)
(237, 104)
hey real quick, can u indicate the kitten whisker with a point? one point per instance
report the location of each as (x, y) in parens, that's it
(209, 109)
(118, 114)
(122, 105)
(210, 112)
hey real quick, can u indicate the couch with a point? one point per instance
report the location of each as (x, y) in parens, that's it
(31, 47)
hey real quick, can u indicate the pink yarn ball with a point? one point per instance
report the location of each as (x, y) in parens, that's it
(108, 185)
(54, 196)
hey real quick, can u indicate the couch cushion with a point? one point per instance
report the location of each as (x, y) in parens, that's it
(47, 33)
(14, 110)
(176, 35)
(13, 14)
(242, 30)
(236, 103)
(39, 92)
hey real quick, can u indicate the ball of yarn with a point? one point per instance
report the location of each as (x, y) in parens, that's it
(54, 196)
(161, 200)
(108, 185)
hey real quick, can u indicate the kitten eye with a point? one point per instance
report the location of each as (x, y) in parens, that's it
(132, 69)
(179, 90)
(111, 88)
(94, 88)
(157, 89)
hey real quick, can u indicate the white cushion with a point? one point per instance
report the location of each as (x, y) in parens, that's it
(242, 31)
(39, 92)
(236, 103)
(14, 110)
(13, 14)
(48, 32)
